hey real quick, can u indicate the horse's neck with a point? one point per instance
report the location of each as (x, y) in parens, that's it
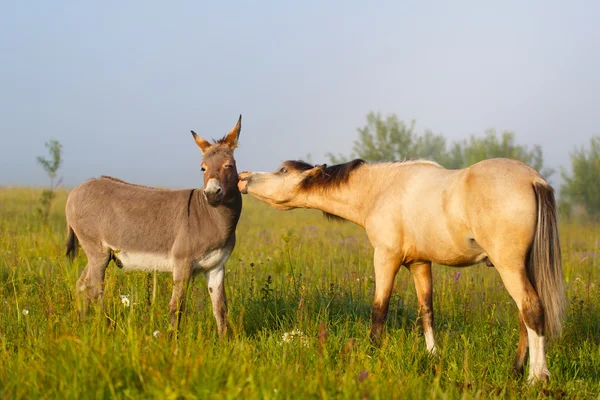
(349, 200)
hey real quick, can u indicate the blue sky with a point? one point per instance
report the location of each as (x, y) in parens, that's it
(120, 84)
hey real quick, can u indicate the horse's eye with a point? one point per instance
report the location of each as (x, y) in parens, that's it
(228, 165)
(283, 170)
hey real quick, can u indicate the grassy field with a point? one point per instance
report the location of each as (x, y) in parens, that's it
(299, 291)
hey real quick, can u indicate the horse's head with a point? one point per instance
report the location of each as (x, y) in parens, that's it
(283, 188)
(218, 165)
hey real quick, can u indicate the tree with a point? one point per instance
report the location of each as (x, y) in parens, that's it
(51, 167)
(380, 140)
(583, 186)
(391, 139)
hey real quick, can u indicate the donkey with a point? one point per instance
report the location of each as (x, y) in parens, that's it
(183, 232)
(499, 211)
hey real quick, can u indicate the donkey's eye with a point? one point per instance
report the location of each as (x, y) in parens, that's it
(203, 169)
(283, 170)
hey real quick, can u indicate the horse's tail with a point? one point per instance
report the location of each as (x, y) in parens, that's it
(544, 265)
(72, 244)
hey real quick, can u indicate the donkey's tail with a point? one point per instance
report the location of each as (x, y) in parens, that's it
(72, 245)
(544, 265)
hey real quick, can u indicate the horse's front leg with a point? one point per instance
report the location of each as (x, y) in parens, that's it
(215, 279)
(421, 272)
(387, 263)
(181, 278)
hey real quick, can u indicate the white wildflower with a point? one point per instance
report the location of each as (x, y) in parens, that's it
(156, 333)
(295, 336)
(25, 311)
(125, 300)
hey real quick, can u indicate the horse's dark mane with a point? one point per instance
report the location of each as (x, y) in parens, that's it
(326, 177)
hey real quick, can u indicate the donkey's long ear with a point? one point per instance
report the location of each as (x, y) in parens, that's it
(232, 137)
(203, 144)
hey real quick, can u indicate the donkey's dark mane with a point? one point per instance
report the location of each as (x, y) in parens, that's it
(112, 178)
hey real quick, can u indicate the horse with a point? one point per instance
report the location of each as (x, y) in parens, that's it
(183, 232)
(415, 213)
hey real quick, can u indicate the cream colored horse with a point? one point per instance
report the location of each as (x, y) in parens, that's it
(499, 211)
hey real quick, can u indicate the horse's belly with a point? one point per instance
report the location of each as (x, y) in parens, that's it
(456, 255)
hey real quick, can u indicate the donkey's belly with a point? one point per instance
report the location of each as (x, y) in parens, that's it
(139, 261)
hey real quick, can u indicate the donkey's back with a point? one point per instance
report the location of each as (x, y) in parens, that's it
(111, 215)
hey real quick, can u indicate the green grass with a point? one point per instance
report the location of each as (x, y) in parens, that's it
(289, 271)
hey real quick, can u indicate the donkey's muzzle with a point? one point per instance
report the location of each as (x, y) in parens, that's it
(214, 192)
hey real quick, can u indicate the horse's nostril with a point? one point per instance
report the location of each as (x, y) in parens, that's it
(218, 191)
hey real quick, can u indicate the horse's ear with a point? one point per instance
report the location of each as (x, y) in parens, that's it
(317, 170)
(203, 144)
(232, 137)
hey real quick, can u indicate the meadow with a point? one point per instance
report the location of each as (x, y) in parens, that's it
(299, 290)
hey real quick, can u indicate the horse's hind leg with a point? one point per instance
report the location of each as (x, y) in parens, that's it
(531, 313)
(522, 348)
(421, 272)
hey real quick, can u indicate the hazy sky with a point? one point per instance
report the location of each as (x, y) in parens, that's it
(121, 83)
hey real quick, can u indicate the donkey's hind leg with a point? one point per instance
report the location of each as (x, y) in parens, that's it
(531, 313)
(90, 285)
(421, 272)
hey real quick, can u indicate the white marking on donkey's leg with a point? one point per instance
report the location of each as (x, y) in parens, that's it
(538, 369)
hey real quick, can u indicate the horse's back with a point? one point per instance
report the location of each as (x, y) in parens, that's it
(454, 216)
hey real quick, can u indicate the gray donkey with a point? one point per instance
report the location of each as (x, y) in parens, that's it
(148, 229)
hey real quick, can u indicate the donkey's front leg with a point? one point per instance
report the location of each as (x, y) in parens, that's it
(215, 280)
(181, 278)
(387, 263)
(421, 272)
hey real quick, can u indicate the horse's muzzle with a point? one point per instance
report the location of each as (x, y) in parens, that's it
(244, 178)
